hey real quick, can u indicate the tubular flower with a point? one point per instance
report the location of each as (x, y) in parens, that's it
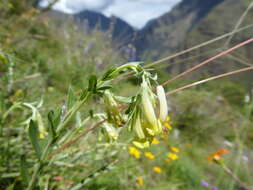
(112, 133)
(149, 155)
(143, 143)
(148, 109)
(138, 128)
(134, 152)
(217, 156)
(163, 112)
(112, 109)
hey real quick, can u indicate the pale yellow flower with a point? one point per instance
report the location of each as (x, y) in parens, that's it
(172, 156)
(149, 155)
(162, 103)
(155, 141)
(157, 170)
(174, 149)
(134, 152)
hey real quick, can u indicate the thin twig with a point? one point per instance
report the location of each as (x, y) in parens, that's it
(189, 50)
(28, 77)
(239, 22)
(209, 79)
(208, 61)
(70, 143)
(239, 60)
(238, 181)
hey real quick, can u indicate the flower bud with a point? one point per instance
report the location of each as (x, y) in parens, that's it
(148, 107)
(138, 128)
(162, 103)
(112, 133)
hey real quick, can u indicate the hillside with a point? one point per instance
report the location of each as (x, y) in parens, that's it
(189, 23)
(120, 31)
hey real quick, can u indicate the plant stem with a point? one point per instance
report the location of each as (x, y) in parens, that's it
(39, 165)
(232, 175)
(209, 79)
(34, 176)
(208, 61)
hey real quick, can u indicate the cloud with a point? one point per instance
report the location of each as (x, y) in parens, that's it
(135, 12)
(74, 6)
(139, 12)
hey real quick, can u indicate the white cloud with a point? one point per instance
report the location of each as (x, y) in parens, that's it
(135, 12)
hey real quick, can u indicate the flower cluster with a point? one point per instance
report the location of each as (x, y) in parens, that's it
(144, 121)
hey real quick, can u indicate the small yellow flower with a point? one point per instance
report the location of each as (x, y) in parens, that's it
(174, 149)
(157, 170)
(172, 156)
(149, 155)
(134, 152)
(140, 180)
(155, 141)
(167, 123)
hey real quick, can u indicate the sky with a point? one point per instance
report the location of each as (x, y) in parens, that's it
(135, 12)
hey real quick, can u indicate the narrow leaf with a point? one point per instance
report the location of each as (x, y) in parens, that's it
(92, 83)
(71, 98)
(33, 135)
(52, 126)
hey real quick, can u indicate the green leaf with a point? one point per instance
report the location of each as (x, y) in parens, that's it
(104, 88)
(52, 126)
(83, 94)
(107, 75)
(24, 170)
(91, 113)
(33, 135)
(71, 98)
(92, 83)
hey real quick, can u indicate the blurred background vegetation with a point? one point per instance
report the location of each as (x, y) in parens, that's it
(43, 53)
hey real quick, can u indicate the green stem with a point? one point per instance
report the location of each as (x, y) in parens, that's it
(34, 176)
(44, 155)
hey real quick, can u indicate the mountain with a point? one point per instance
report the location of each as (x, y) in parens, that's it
(120, 31)
(192, 22)
(166, 33)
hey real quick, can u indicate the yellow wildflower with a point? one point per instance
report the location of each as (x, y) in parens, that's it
(174, 149)
(149, 155)
(172, 156)
(140, 180)
(134, 152)
(157, 170)
(167, 123)
(155, 141)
